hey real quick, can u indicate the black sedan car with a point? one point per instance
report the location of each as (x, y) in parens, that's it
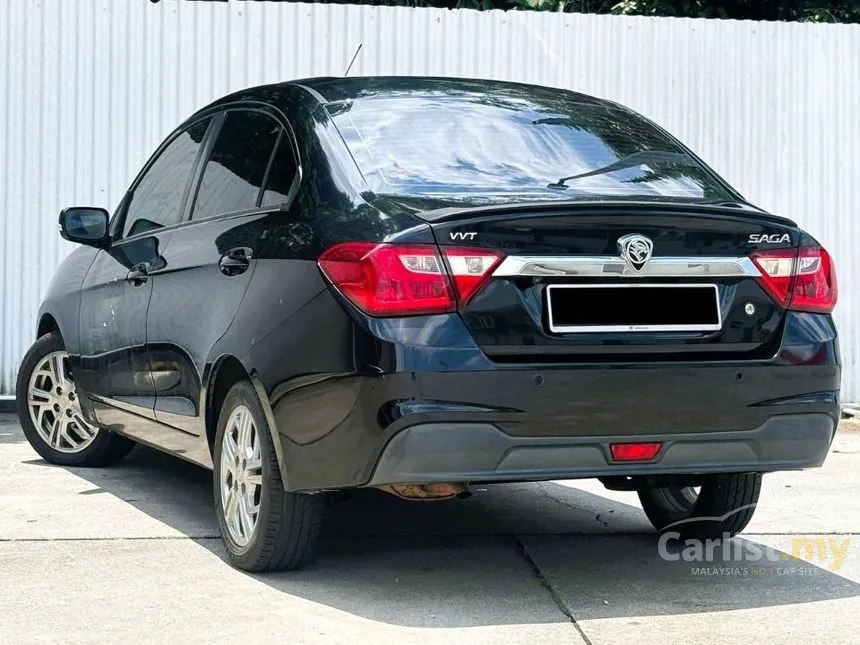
(415, 284)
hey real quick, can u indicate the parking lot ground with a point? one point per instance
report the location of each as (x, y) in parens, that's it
(130, 554)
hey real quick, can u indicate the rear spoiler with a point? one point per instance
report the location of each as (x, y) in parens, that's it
(453, 213)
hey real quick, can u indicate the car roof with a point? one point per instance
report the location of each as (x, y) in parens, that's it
(333, 89)
(324, 90)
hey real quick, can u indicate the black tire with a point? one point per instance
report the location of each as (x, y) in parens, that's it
(723, 506)
(105, 449)
(288, 524)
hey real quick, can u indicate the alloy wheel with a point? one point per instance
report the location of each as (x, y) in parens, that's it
(55, 408)
(241, 475)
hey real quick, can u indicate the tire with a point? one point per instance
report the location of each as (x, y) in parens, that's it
(66, 438)
(723, 506)
(265, 528)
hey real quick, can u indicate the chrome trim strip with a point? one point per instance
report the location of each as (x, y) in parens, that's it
(609, 266)
(570, 329)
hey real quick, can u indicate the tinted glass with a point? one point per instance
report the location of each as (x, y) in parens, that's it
(513, 142)
(234, 172)
(157, 199)
(281, 174)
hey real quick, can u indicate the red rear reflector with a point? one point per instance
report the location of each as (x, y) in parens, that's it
(408, 279)
(799, 279)
(634, 451)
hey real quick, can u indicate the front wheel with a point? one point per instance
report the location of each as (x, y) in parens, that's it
(721, 507)
(264, 527)
(49, 410)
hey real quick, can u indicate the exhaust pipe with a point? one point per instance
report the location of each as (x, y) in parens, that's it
(427, 492)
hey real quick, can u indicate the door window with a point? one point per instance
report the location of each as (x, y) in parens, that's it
(236, 168)
(157, 199)
(281, 174)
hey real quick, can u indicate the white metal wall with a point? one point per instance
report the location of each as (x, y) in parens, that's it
(88, 88)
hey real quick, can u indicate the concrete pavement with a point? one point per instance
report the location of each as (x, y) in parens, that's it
(130, 554)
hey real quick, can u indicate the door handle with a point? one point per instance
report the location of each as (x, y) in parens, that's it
(235, 261)
(138, 274)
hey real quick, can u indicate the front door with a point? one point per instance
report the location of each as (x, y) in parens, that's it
(115, 296)
(114, 366)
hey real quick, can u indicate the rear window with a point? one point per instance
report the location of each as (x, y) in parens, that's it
(442, 143)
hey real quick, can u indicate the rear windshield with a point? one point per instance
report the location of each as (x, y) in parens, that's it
(462, 143)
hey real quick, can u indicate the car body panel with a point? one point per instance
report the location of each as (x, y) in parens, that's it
(61, 305)
(113, 359)
(193, 304)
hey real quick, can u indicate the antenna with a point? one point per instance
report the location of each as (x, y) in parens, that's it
(354, 56)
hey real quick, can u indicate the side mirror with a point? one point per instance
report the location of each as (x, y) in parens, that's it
(85, 226)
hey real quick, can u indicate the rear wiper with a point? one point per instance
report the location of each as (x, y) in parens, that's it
(631, 161)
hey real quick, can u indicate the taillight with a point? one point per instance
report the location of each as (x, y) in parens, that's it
(815, 285)
(469, 268)
(406, 279)
(777, 273)
(799, 279)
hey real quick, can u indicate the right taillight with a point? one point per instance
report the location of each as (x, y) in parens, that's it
(799, 279)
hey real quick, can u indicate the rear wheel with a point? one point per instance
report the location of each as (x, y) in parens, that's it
(721, 507)
(264, 527)
(49, 410)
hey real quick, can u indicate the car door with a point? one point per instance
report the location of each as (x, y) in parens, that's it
(114, 367)
(211, 257)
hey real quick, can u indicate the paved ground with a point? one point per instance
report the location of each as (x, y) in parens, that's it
(130, 555)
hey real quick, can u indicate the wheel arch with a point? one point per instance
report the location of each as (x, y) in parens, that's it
(226, 371)
(47, 324)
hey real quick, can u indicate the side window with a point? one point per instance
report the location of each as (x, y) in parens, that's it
(281, 174)
(157, 198)
(235, 170)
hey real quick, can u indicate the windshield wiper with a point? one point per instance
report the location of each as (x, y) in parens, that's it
(631, 161)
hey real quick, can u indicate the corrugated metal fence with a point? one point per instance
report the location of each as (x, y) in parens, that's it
(88, 88)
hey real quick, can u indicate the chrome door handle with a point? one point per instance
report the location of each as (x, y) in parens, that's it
(235, 261)
(138, 274)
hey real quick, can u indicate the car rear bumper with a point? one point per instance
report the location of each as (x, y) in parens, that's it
(416, 400)
(349, 431)
(433, 452)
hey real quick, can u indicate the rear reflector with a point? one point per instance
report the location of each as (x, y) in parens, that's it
(799, 279)
(634, 451)
(407, 279)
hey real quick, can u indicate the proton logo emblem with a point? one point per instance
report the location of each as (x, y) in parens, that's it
(635, 250)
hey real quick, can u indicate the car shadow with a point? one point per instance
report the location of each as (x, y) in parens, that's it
(489, 559)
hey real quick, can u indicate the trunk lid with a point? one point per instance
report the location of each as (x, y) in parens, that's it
(554, 252)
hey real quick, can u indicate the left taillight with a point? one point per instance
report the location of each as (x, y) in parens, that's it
(799, 279)
(406, 279)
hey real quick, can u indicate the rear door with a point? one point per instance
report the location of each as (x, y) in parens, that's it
(211, 258)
